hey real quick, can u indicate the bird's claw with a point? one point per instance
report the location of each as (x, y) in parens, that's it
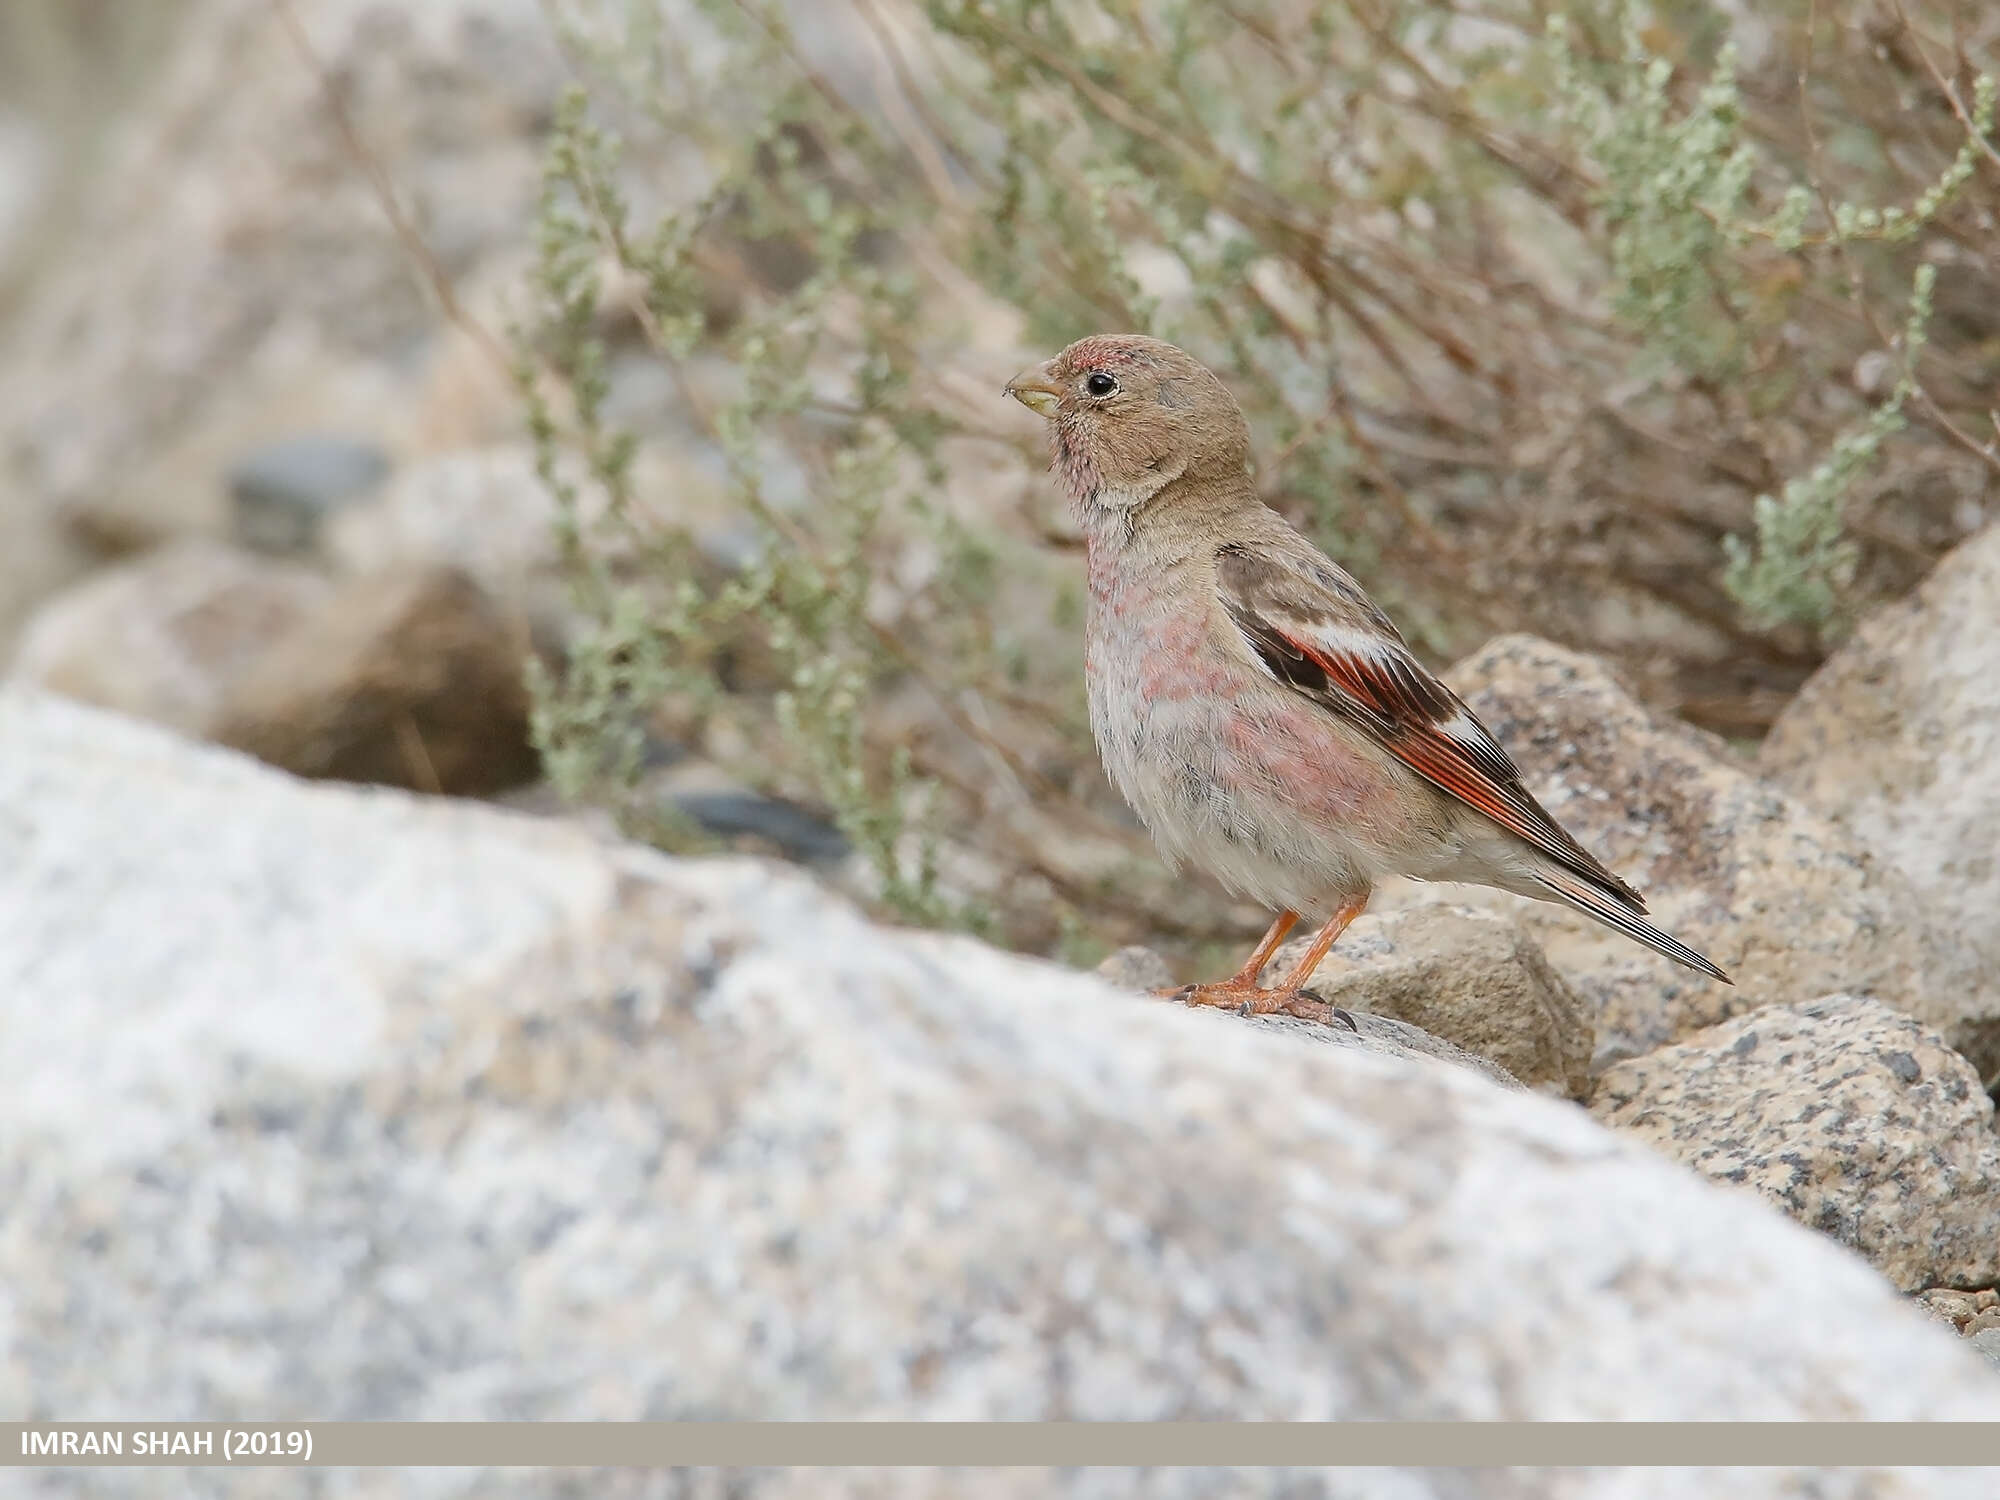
(1248, 1000)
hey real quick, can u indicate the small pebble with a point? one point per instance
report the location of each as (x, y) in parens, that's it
(1136, 968)
(798, 832)
(1947, 1305)
(282, 491)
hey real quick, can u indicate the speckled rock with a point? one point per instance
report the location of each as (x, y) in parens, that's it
(1386, 1036)
(1849, 1115)
(411, 678)
(162, 637)
(392, 1106)
(1474, 978)
(1781, 897)
(1949, 1306)
(1897, 737)
(1141, 970)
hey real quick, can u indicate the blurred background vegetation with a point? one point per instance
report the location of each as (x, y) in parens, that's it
(1669, 331)
(65, 66)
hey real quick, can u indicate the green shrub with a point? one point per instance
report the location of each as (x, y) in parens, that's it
(1531, 325)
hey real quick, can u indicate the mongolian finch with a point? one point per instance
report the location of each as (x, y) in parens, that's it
(1261, 715)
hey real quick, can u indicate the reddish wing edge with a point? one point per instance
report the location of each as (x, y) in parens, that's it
(1389, 693)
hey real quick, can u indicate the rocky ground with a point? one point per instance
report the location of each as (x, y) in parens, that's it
(351, 1101)
(384, 1100)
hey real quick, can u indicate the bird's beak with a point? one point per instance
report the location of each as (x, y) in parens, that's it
(1037, 389)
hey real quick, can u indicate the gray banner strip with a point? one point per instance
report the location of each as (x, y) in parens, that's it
(648, 1444)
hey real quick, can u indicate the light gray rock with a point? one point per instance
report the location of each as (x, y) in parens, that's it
(1785, 900)
(1474, 978)
(483, 510)
(1385, 1036)
(163, 637)
(334, 1100)
(1143, 971)
(1136, 969)
(1897, 737)
(232, 277)
(1847, 1114)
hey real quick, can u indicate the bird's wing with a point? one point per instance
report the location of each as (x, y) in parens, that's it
(1316, 632)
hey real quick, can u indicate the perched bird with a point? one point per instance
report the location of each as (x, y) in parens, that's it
(1264, 719)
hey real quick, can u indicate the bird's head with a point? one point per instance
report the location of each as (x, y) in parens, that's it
(1129, 415)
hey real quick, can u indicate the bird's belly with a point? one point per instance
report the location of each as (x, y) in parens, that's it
(1274, 800)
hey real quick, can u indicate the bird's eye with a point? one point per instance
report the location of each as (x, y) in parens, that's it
(1099, 384)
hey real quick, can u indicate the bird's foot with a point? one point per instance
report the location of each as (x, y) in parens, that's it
(1251, 1000)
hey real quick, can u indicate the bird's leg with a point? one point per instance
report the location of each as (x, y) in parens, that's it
(1290, 986)
(1245, 978)
(1274, 935)
(1323, 940)
(1240, 992)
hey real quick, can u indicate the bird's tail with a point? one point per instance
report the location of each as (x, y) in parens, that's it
(1613, 912)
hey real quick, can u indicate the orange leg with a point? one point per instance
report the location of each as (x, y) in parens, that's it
(1240, 992)
(1244, 978)
(1273, 937)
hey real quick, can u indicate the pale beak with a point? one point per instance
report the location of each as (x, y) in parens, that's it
(1037, 389)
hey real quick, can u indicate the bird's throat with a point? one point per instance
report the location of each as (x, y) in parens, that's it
(1072, 461)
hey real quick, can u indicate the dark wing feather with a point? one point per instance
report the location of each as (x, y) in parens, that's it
(1316, 631)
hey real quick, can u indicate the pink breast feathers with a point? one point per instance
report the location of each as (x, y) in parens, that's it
(1299, 756)
(1179, 661)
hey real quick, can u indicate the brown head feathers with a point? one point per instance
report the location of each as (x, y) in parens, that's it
(1131, 415)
